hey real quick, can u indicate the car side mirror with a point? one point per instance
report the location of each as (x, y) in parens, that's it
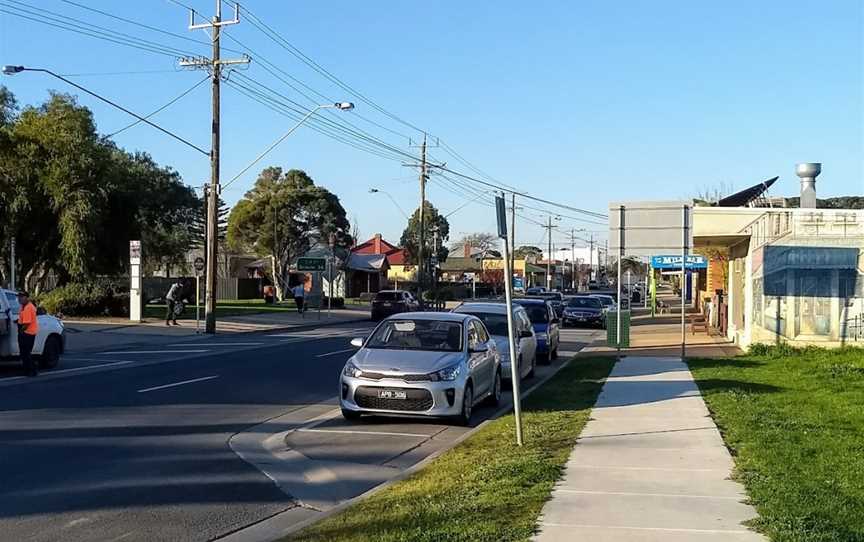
(357, 341)
(477, 348)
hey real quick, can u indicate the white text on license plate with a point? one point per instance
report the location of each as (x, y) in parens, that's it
(392, 394)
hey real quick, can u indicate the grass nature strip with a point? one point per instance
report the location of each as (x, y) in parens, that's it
(794, 420)
(484, 489)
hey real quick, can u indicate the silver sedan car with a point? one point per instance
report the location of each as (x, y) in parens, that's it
(424, 364)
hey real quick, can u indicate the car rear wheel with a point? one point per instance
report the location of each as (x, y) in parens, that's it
(464, 418)
(495, 398)
(350, 414)
(50, 353)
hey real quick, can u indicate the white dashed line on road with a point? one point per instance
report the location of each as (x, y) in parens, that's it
(162, 387)
(220, 344)
(121, 352)
(336, 352)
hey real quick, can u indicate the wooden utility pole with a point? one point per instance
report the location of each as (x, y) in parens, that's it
(549, 255)
(421, 264)
(513, 235)
(214, 66)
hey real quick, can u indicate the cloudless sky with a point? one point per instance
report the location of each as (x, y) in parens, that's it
(578, 102)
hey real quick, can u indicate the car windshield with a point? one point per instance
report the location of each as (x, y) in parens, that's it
(537, 313)
(409, 334)
(584, 302)
(388, 296)
(605, 301)
(496, 324)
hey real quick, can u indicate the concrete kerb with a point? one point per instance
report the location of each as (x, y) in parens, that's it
(238, 536)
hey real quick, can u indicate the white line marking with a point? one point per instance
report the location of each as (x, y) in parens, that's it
(89, 367)
(162, 387)
(336, 352)
(629, 494)
(219, 344)
(379, 433)
(121, 352)
(660, 529)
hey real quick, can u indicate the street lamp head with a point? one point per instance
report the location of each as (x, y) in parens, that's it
(344, 106)
(373, 190)
(11, 70)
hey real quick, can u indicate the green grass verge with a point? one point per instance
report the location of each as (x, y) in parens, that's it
(486, 488)
(794, 420)
(225, 308)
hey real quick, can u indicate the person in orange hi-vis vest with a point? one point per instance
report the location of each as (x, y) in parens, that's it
(28, 327)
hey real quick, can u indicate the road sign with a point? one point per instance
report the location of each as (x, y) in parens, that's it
(199, 264)
(694, 261)
(518, 283)
(135, 252)
(501, 212)
(311, 264)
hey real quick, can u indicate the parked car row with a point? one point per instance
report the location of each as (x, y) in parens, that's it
(443, 364)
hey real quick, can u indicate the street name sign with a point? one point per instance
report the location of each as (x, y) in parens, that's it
(694, 261)
(311, 264)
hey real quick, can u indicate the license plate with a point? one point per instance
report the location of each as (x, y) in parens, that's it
(386, 304)
(392, 394)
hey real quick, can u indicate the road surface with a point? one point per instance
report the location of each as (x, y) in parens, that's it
(133, 444)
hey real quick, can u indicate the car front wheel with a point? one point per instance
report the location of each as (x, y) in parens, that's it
(495, 398)
(350, 414)
(50, 353)
(464, 418)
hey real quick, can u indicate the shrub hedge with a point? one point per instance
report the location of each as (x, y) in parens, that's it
(92, 298)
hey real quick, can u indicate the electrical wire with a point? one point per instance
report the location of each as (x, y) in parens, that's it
(278, 39)
(167, 105)
(84, 27)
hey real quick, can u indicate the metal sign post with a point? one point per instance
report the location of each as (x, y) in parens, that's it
(684, 238)
(618, 282)
(199, 267)
(508, 295)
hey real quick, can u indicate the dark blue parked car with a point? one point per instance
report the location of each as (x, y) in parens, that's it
(546, 326)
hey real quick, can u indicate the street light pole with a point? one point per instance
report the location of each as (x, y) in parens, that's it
(396, 203)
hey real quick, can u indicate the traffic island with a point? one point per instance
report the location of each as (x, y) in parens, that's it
(486, 488)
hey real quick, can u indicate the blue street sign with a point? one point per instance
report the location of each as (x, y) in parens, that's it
(518, 283)
(694, 261)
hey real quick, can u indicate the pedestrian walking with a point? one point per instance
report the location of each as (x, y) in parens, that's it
(175, 294)
(28, 327)
(299, 293)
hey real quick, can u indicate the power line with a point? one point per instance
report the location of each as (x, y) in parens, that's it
(142, 25)
(167, 105)
(77, 25)
(278, 39)
(137, 72)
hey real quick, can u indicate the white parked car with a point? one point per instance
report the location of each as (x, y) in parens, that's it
(50, 341)
(494, 317)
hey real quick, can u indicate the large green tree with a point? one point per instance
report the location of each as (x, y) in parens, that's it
(73, 200)
(525, 251)
(434, 222)
(283, 216)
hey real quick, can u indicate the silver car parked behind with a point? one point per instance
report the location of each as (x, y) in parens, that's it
(425, 364)
(494, 315)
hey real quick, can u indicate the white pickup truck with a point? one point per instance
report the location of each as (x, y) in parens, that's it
(50, 341)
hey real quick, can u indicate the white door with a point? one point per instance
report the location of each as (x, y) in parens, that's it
(9, 339)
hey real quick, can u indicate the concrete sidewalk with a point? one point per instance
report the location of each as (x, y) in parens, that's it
(649, 466)
(92, 335)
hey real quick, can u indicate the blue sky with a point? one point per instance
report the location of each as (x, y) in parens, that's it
(578, 102)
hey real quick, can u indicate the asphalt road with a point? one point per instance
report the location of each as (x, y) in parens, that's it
(133, 444)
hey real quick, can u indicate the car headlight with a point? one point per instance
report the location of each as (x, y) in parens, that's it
(447, 373)
(352, 370)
